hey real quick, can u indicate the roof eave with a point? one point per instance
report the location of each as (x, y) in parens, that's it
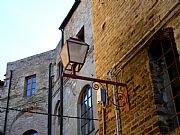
(69, 15)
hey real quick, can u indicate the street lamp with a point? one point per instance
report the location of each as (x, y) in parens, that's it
(73, 56)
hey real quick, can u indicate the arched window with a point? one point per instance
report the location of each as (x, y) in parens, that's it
(86, 111)
(30, 132)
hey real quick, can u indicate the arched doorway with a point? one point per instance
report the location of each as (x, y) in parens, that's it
(31, 132)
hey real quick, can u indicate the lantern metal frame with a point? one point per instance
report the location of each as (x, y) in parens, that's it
(77, 65)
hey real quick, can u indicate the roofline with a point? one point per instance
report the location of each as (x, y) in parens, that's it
(69, 15)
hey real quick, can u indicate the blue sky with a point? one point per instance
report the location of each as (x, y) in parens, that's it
(29, 27)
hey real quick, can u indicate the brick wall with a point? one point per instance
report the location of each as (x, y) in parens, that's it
(120, 25)
(122, 30)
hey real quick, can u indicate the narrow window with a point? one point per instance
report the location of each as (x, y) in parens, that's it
(58, 70)
(86, 112)
(164, 61)
(30, 86)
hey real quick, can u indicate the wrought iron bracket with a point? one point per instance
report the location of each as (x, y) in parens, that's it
(73, 76)
(123, 94)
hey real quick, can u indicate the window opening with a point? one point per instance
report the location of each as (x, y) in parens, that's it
(87, 111)
(58, 70)
(30, 86)
(164, 60)
(30, 132)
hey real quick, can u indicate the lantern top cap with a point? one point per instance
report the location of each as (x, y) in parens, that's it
(76, 40)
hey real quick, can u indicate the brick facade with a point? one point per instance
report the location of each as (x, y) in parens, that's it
(122, 35)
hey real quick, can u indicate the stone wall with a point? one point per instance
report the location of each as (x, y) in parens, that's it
(122, 30)
(1, 110)
(82, 17)
(20, 121)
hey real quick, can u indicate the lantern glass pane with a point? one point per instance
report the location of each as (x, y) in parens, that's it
(77, 52)
(64, 55)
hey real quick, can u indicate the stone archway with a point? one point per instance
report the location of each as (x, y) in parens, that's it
(26, 122)
(30, 132)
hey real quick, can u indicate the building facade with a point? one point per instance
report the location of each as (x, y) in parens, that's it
(139, 43)
(135, 42)
(28, 93)
(29, 85)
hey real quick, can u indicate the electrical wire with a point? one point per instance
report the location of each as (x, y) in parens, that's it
(37, 101)
(41, 113)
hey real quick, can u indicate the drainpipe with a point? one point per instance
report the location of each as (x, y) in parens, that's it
(50, 101)
(104, 119)
(117, 112)
(61, 86)
(7, 106)
(104, 110)
(62, 26)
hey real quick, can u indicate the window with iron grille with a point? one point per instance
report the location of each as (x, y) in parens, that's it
(86, 112)
(165, 67)
(30, 86)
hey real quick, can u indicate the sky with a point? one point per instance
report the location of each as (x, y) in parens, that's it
(29, 27)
